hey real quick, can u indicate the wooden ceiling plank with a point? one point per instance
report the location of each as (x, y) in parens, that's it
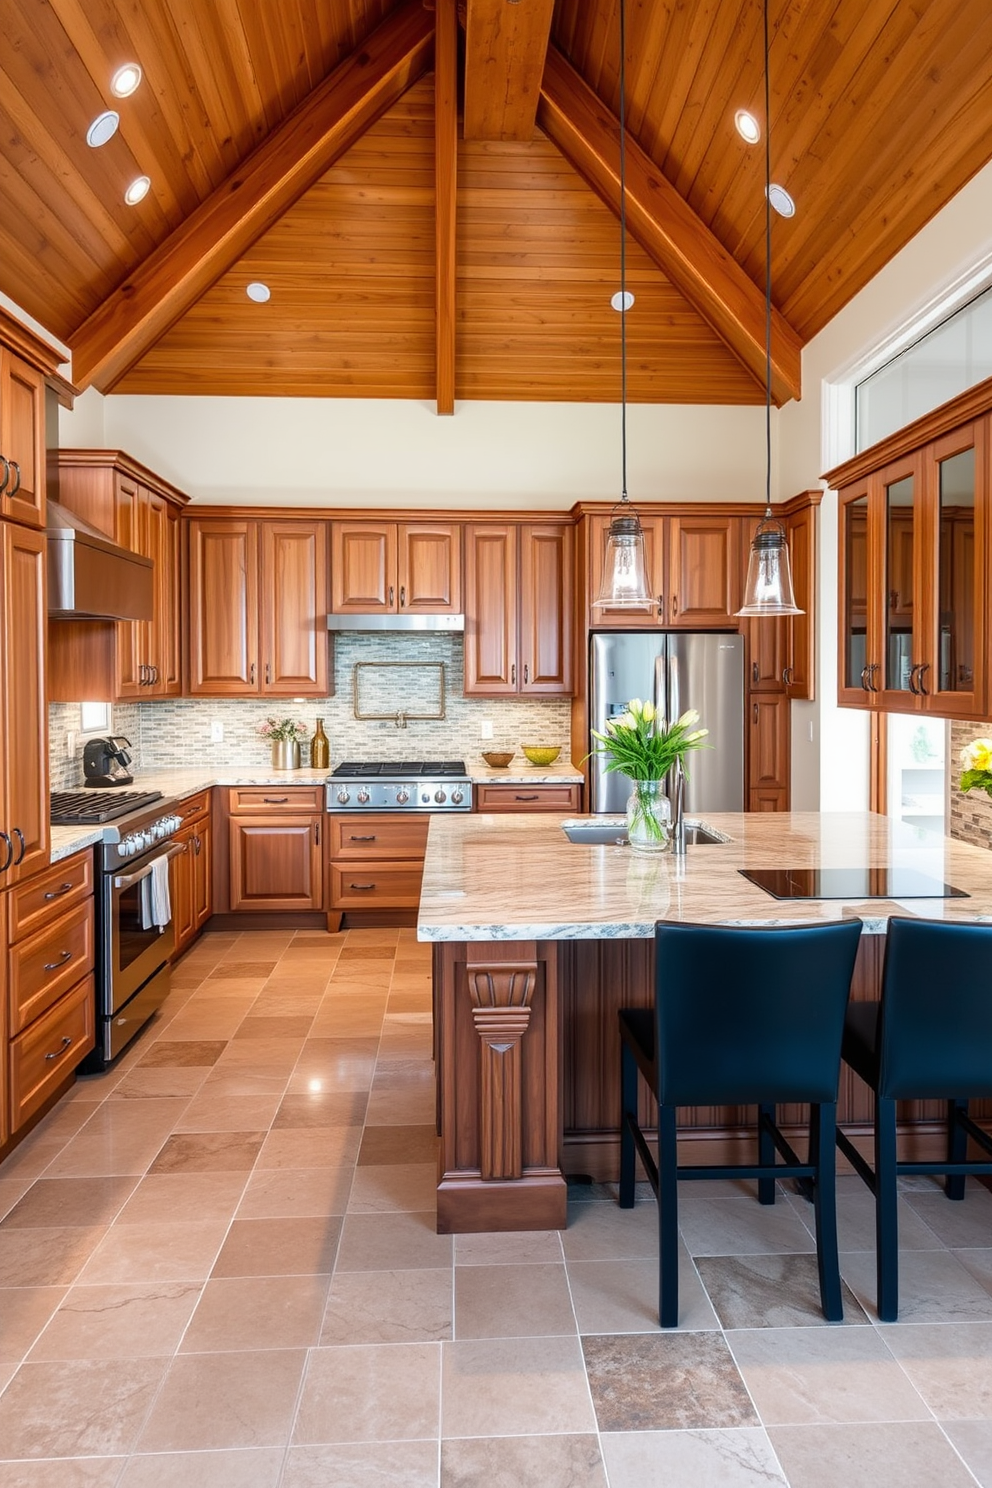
(271, 179)
(446, 199)
(666, 227)
(505, 46)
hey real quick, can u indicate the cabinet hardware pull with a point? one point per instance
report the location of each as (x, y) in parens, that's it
(17, 483)
(675, 605)
(274, 800)
(353, 838)
(924, 667)
(196, 846)
(912, 685)
(534, 797)
(363, 887)
(402, 596)
(268, 672)
(787, 676)
(6, 473)
(526, 671)
(316, 832)
(661, 606)
(24, 847)
(57, 1053)
(864, 678)
(872, 669)
(57, 893)
(154, 675)
(63, 958)
(391, 593)
(513, 675)
(251, 675)
(10, 853)
(755, 673)
(755, 712)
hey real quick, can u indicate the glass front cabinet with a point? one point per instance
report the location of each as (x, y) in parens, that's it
(912, 563)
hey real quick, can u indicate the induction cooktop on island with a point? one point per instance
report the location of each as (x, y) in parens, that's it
(850, 883)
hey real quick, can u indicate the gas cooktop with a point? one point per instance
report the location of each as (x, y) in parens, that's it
(85, 808)
(415, 769)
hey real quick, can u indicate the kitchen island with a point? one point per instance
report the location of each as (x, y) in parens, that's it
(539, 940)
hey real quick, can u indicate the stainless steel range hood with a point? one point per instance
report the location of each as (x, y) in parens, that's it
(90, 577)
(379, 621)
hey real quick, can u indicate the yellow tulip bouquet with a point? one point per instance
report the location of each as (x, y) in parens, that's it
(640, 744)
(976, 758)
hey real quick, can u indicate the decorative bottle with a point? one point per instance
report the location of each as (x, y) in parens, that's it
(320, 749)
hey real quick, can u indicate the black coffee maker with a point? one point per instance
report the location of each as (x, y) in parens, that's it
(105, 762)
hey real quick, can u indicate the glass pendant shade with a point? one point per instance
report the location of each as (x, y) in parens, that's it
(625, 579)
(768, 590)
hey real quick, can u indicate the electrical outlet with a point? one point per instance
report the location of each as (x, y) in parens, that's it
(216, 732)
(70, 744)
(486, 728)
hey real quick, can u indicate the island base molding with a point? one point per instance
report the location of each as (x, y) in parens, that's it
(528, 1079)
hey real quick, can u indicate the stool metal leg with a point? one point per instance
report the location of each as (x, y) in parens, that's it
(886, 1212)
(628, 1114)
(957, 1148)
(822, 1137)
(766, 1154)
(668, 1219)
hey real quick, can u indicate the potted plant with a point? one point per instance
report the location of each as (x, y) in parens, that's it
(285, 735)
(643, 746)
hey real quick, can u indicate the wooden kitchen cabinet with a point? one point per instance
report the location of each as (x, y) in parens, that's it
(22, 440)
(275, 849)
(693, 568)
(769, 744)
(396, 568)
(24, 801)
(519, 601)
(191, 871)
(374, 862)
(558, 796)
(257, 608)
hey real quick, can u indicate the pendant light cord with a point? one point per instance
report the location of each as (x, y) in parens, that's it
(768, 275)
(623, 265)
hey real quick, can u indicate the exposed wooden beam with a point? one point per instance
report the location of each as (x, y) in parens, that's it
(588, 135)
(292, 158)
(505, 45)
(445, 190)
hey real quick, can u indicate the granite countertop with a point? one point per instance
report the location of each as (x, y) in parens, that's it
(517, 877)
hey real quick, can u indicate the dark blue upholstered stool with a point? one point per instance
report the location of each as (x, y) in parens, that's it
(742, 1016)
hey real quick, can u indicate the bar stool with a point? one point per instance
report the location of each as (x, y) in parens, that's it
(742, 1016)
(929, 1038)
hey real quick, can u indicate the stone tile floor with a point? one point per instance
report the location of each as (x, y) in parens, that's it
(218, 1265)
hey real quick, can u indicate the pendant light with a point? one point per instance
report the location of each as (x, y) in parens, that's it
(625, 579)
(768, 588)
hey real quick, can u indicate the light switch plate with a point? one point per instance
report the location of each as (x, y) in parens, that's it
(216, 732)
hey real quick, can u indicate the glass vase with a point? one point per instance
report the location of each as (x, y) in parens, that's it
(649, 817)
(285, 754)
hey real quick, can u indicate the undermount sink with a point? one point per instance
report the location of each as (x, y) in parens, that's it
(614, 833)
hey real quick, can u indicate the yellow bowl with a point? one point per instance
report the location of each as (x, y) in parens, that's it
(539, 754)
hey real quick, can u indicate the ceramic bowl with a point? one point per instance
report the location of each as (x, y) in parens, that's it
(541, 754)
(497, 758)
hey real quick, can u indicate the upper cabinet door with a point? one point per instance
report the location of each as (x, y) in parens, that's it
(546, 609)
(22, 441)
(429, 568)
(294, 639)
(491, 609)
(24, 805)
(132, 638)
(952, 656)
(363, 568)
(858, 664)
(650, 615)
(900, 503)
(223, 607)
(801, 656)
(703, 572)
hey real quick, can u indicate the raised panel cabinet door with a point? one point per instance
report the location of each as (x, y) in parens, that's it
(169, 682)
(766, 640)
(363, 567)
(202, 873)
(294, 640)
(22, 440)
(429, 568)
(275, 863)
(801, 657)
(547, 605)
(491, 609)
(23, 707)
(602, 617)
(703, 571)
(769, 740)
(223, 607)
(132, 635)
(181, 889)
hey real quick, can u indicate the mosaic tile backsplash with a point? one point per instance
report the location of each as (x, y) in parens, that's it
(165, 734)
(971, 814)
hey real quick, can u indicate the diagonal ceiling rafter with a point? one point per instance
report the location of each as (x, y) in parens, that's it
(588, 135)
(505, 48)
(251, 200)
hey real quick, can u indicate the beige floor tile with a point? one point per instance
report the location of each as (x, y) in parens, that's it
(345, 1023)
(389, 1242)
(523, 1462)
(147, 1083)
(622, 1296)
(384, 1392)
(770, 1291)
(401, 1107)
(336, 1064)
(821, 1375)
(509, 1248)
(119, 1322)
(247, 971)
(277, 1027)
(398, 1145)
(856, 1223)
(514, 1387)
(512, 1302)
(601, 1232)
(287, 1193)
(665, 1381)
(77, 1408)
(934, 1287)
(279, 1247)
(108, 1154)
(741, 1226)
(225, 1400)
(238, 1469)
(738, 1458)
(388, 1307)
(43, 1258)
(957, 1224)
(910, 1454)
(12, 1190)
(276, 1312)
(386, 1188)
(320, 1147)
(175, 1198)
(410, 1464)
(275, 1002)
(70, 1202)
(211, 1111)
(951, 1367)
(160, 1251)
(973, 1439)
(24, 1313)
(209, 1152)
(320, 1108)
(68, 1472)
(271, 1055)
(227, 1080)
(191, 1053)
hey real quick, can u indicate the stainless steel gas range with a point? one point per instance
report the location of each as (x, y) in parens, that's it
(400, 785)
(134, 931)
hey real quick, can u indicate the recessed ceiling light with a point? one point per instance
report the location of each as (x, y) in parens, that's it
(781, 201)
(258, 292)
(621, 301)
(125, 80)
(138, 190)
(747, 126)
(103, 128)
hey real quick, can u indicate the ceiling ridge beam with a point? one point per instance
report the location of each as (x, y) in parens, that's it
(274, 176)
(662, 222)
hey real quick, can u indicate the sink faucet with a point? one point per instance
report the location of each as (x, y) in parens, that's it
(678, 811)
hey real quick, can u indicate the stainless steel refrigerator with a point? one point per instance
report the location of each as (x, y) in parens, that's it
(676, 670)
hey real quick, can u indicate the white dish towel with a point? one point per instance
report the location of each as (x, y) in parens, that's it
(156, 907)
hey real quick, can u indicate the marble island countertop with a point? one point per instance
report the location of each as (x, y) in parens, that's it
(517, 877)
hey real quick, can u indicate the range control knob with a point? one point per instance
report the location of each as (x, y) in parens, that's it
(364, 794)
(440, 797)
(344, 796)
(425, 798)
(125, 847)
(402, 796)
(456, 798)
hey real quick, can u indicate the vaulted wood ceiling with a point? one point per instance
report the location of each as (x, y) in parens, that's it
(432, 196)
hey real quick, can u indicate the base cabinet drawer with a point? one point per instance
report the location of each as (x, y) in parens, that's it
(46, 965)
(264, 799)
(375, 885)
(527, 797)
(357, 836)
(42, 1056)
(33, 903)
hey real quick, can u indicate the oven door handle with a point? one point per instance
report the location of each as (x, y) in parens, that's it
(130, 879)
